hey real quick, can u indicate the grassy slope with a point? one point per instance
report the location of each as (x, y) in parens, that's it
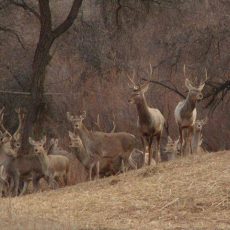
(190, 193)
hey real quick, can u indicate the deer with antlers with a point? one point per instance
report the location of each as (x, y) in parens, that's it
(186, 113)
(99, 145)
(150, 120)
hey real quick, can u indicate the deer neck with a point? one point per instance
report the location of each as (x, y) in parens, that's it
(142, 108)
(190, 104)
(82, 156)
(85, 136)
(44, 159)
(7, 149)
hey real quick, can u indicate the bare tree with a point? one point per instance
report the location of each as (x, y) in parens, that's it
(42, 58)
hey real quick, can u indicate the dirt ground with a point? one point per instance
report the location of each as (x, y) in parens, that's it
(189, 193)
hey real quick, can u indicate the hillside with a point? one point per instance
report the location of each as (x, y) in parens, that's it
(190, 193)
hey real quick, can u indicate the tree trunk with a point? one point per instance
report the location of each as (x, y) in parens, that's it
(40, 62)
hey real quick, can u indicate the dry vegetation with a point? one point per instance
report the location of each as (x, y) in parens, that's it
(189, 193)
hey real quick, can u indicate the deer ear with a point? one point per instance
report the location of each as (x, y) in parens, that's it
(71, 135)
(31, 141)
(43, 141)
(200, 88)
(169, 139)
(83, 116)
(52, 141)
(6, 139)
(69, 116)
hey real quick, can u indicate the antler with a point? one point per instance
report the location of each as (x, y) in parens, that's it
(1, 124)
(69, 116)
(184, 71)
(134, 85)
(150, 71)
(206, 76)
(21, 117)
(114, 125)
(98, 122)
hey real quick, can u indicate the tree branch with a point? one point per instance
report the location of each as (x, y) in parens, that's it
(174, 89)
(69, 20)
(5, 29)
(26, 7)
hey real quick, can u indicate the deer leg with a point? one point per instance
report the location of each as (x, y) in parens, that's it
(158, 148)
(150, 140)
(190, 139)
(144, 149)
(11, 187)
(90, 171)
(65, 179)
(181, 140)
(187, 141)
(132, 164)
(16, 184)
(98, 169)
(25, 186)
(35, 181)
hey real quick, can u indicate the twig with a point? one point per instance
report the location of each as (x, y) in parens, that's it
(27, 93)
(169, 204)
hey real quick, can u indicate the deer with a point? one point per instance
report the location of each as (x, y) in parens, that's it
(150, 120)
(197, 135)
(171, 149)
(15, 139)
(20, 167)
(99, 145)
(58, 165)
(185, 113)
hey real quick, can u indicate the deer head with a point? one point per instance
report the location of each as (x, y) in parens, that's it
(138, 90)
(4, 138)
(75, 140)
(38, 146)
(77, 121)
(172, 146)
(1, 122)
(195, 93)
(199, 124)
(54, 142)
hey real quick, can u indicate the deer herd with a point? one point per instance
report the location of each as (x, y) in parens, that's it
(101, 153)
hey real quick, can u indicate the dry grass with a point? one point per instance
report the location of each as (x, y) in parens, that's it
(191, 193)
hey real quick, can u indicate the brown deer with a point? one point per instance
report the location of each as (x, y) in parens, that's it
(107, 167)
(150, 120)
(21, 167)
(101, 145)
(171, 149)
(16, 137)
(58, 165)
(197, 135)
(186, 113)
